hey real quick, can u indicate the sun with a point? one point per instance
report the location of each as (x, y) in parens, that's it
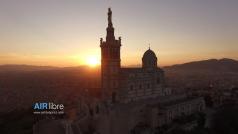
(93, 61)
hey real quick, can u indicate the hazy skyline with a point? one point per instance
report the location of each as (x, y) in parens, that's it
(67, 33)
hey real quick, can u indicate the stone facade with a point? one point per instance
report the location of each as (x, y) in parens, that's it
(138, 83)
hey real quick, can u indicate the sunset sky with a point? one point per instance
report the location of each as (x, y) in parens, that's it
(68, 32)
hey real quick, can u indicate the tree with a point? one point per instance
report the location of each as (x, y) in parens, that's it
(201, 120)
(208, 100)
(225, 121)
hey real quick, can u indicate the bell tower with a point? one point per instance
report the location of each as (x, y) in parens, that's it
(110, 62)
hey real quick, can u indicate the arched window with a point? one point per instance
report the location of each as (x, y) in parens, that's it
(158, 80)
(114, 97)
(91, 111)
(131, 87)
(170, 115)
(97, 109)
(200, 107)
(148, 85)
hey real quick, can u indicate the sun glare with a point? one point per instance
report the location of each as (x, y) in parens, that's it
(93, 61)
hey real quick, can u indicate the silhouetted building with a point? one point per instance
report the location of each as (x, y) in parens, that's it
(111, 62)
(128, 84)
(132, 98)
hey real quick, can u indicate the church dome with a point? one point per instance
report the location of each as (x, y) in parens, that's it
(149, 59)
(149, 54)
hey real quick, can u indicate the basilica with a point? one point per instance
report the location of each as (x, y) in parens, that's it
(133, 100)
(128, 84)
(131, 97)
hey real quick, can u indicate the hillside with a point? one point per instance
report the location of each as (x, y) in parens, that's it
(20, 68)
(222, 73)
(211, 66)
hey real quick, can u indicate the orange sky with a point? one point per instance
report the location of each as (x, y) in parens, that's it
(67, 33)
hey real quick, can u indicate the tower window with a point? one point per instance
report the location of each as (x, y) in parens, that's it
(158, 80)
(113, 97)
(131, 87)
(148, 85)
(97, 109)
